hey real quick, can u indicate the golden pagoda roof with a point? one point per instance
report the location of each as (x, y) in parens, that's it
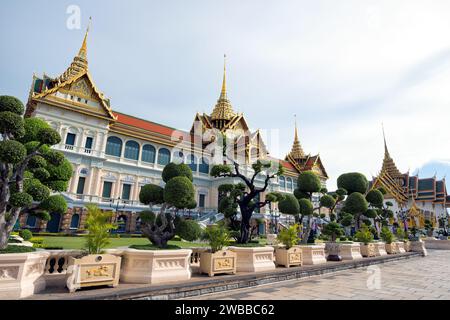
(297, 150)
(223, 109)
(79, 64)
(388, 163)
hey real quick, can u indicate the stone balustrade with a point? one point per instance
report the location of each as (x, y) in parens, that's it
(55, 272)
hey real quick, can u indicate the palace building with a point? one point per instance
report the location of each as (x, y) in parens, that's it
(417, 199)
(114, 154)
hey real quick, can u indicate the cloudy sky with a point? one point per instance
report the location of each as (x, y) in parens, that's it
(343, 67)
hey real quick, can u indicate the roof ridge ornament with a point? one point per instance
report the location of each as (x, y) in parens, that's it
(223, 109)
(297, 151)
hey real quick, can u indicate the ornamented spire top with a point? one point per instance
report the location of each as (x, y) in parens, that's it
(297, 151)
(79, 63)
(388, 163)
(223, 109)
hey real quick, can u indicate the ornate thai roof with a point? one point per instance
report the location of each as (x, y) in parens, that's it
(223, 109)
(297, 152)
(389, 164)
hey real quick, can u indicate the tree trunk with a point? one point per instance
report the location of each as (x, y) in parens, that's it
(4, 236)
(246, 215)
(308, 231)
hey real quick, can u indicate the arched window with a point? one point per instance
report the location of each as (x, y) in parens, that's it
(163, 157)
(148, 153)
(132, 150)
(192, 163)
(114, 147)
(282, 182)
(204, 166)
(31, 221)
(74, 223)
(289, 184)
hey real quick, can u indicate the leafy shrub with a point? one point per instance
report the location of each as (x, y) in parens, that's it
(289, 236)
(333, 230)
(217, 237)
(364, 235)
(25, 234)
(386, 235)
(17, 249)
(99, 227)
(189, 230)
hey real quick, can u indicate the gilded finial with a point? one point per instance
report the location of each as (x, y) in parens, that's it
(83, 50)
(223, 109)
(297, 150)
(223, 94)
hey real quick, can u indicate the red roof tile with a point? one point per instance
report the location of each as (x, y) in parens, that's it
(144, 124)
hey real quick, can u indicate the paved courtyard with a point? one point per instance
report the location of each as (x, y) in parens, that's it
(414, 279)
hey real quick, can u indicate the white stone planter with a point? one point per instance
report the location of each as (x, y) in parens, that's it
(419, 246)
(155, 266)
(93, 270)
(223, 261)
(254, 259)
(288, 257)
(313, 254)
(368, 250)
(437, 244)
(401, 247)
(392, 248)
(408, 246)
(350, 251)
(21, 274)
(380, 249)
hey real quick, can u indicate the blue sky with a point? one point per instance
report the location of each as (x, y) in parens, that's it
(342, 68)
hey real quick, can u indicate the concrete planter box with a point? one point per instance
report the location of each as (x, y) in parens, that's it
(392, 248)
(437, 244)
(368, 250)
(21, 274)
(419, 246)
(407, 246)
(223, 261)
(288, 257)
(93, 270)
(155, 266)
(400, 246)
(380, 249)
(254, 259)
(314, 254)
(350, 251)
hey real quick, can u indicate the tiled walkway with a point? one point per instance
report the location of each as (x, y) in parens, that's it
(418, 278)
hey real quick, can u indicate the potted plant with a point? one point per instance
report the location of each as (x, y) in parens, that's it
(95, 268)
(291, 254)
(388, 238)
(217, 260)
(333, 230)
(365, 237)
(400, 235)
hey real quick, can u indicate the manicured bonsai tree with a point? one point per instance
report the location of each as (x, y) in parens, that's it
(289, 236)
(178, 193)
(333, 230)
(356, 205)
(364, 235)
(29, 169)
(290, 205)
(386, 235)
(353, 182)
(308, 183)
(217, 237)
(188, 230)
(99, 227)
(246, 198)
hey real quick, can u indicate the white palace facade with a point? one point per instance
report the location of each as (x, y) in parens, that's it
(114, 154)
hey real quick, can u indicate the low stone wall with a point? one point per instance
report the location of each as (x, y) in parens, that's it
(437, 244)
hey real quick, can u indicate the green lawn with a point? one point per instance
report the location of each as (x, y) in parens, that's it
(78, 242)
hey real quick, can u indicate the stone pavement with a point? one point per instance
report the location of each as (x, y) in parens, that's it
(414, 279)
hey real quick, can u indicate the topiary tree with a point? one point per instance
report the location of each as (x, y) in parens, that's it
(178, 193)
(353, 182)
(245, 199)
(356, 205)
(308, 183)
(290, 205)
(333, 230)
(29, 169)
(188, 230)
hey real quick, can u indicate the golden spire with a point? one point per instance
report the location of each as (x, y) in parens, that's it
(79, 63)
(388, 163)
(297, 151)
(223, 109)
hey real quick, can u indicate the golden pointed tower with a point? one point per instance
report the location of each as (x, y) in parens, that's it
(388, 163)
(297, 150)
(79, 63)
(223, 111)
